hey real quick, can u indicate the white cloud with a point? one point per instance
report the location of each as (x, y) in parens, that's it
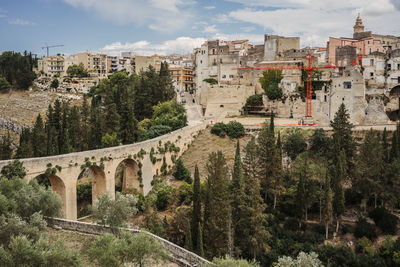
(315, 20)
(222, 18)
(248, 28)
(161, 15)
(210, 29)
(181, 45)
(209, 7)
(21, 22)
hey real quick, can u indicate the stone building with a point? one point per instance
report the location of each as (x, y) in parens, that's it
(182, 77)
(94, 63)
(52, 66)
(364, 42)
(274, 45)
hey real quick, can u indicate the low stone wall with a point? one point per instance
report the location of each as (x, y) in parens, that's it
(179, 255)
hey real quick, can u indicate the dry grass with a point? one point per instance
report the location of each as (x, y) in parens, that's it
(207, 143)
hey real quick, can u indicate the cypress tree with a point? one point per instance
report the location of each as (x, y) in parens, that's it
(394, 151)
(64, 144)
(238, 198)
(39, 139)
(370, 168)
(5, 147)
(112, 119)
(85, 115)
(199, 242)
(251, 231)
(188, 238)
(328, 209)
(75, 130)
(342, 135)
(129, 125)
(270, 169)
(52, 144)
(196, 216)
(25, 149)
(217, 207)
(385, 146)
(272, 123)
(279, 144)
(337, 185)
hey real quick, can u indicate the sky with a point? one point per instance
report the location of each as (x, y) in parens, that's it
(177, 26)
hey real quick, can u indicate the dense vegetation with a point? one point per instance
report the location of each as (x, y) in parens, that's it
(22, 207)
(16, 70)
(288, 214)
(124, 109)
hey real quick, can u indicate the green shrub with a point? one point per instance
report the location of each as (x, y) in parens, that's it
(181, 172)
(210, 81)
(386, 221)
(235, 129)
(219, 129)
(363, 228)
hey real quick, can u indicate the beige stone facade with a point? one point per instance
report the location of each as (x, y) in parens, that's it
(95, 64)
(182, 77)
(52, 66)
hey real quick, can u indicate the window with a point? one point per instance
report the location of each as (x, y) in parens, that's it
(325, 98)
(371, 62)
(214, 51)
(201, 61)
(377, 49)
(371, 75)
(389, 66)
(220, 60)
(221, 106)
(347, 85)
(222, 50)
(398, 79)
(223, 76)
(370, 50)
(231, 76)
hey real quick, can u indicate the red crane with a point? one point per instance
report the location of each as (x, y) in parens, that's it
(309, 70)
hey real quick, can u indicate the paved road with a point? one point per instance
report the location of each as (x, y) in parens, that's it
(193, 111)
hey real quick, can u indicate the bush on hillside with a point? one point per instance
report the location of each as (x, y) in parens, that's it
(219, 129)
(233, 129)
(386, 221)
(364, 229)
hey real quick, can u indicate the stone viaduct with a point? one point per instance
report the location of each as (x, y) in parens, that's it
(142, 161)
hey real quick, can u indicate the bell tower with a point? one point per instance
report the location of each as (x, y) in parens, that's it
(359, 26)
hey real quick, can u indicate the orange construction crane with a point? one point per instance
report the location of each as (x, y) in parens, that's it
(308, 118)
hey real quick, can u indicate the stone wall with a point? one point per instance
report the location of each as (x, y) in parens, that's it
(179, 255)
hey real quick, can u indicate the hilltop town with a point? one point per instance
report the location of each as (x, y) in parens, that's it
(366, 77)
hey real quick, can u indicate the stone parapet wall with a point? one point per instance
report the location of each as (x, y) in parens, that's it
(179, 255)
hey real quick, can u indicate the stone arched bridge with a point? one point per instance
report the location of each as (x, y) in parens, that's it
(141, 162)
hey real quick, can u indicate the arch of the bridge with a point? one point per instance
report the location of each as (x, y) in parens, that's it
(127, 175)
(56, 184)
(97, 177)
